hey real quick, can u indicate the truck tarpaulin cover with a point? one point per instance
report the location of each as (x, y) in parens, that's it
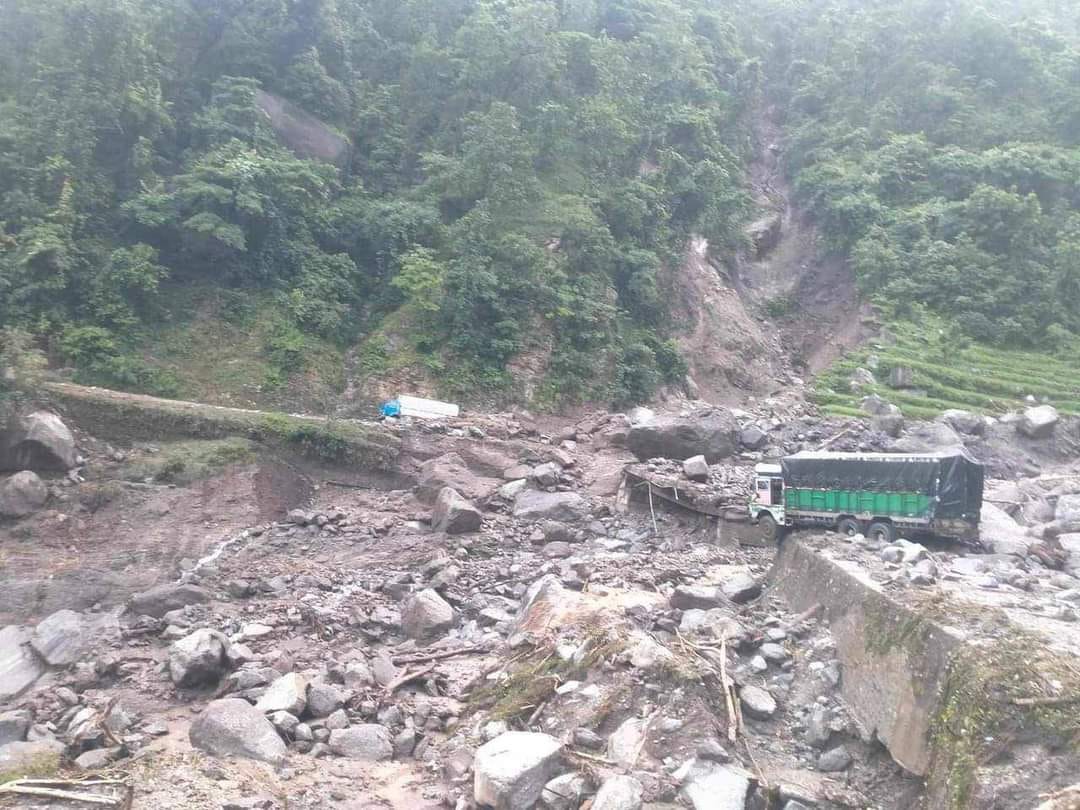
(953, 477)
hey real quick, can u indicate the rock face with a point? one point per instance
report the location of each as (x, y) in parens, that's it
(710, 432)
(19, 667)
(618, 793)
(197, 659)
(455, 515)
(233, 727)
(22, 494)
(901, 377)
(14, 725)
(510, 771)
(425, 615)
(40, 441)
(566, 507)
(66, 636)
(368, 742)
(303, 133)
(161, 599)
(287, 694)
(1039, 422)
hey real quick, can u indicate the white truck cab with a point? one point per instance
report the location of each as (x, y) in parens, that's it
(767, 500)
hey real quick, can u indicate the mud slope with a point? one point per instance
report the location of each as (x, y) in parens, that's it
(751, 324)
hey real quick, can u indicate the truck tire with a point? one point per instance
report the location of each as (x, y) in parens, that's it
(770, 529)
(849, 527)
(880, 530)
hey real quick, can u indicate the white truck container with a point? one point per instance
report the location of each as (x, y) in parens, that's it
(419, 408)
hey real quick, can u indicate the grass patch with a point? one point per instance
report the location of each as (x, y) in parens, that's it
(182, 463)
(947, 374)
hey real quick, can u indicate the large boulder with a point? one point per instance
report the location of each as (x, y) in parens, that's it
(22, 494)
(876, 406)
(66, 636)
(14, 725)
(455, 515)
(901, 377)
(710, 432)
(426, 615)
(450, 470)
(566, 507)
(163, 599)
(926, 437)
(233, 727)
(511, 770)
(300, 131)
(19, 666)
(1038, 422)
(1003, 535)
(286, 694)
(696, 468)
(39, 441)
(198, 659)
(323, 699)
(368, 742)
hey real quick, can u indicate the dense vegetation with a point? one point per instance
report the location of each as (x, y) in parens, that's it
(517, 174)
(936, 144)
(518, 170)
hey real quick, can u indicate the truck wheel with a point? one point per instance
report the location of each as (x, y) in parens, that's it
(849, 527)
(770, 529)
(880, 530)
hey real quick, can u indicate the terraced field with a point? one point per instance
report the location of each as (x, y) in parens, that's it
(972, 377)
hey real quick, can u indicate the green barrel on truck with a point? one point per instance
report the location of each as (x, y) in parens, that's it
(876, 494)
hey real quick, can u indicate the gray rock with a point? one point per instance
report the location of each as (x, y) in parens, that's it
(687, 597)
(625, 743)
(1067, 513)
(98, 758)
(567, 507)
(964, 422)
(891, 424)
(358, 674)
(757, 702)
(197, 659)
(711, 786)
(876, 406)
(509, 773)
(284, 722)
(337, 720)
(924, 437)
(19, 666)
(509, 492)
(233, 727)
(1038, 422)
(587, 738)
(14, 725)
(66, 636)
(22, 494)
(368, 742)
(835, 759)
(565, 792)
(453, 514)
(547, 475)
(696, 468)
(618, 793)
(405, 742)
(774, 652)
(426, 615)
(817, 727)
(753, 437)
(741, 588)
(323, 699)
(304, 134)
(451, 471)
(862, 377)
(710, 432)
(162, 599)
(287, 694)
(39, 441)
(24, 758)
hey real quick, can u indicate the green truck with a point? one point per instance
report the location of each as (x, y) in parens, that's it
(875, 494)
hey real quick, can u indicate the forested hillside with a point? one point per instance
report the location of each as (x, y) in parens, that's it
(494, 178)
(514, 168)
(936, 143)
